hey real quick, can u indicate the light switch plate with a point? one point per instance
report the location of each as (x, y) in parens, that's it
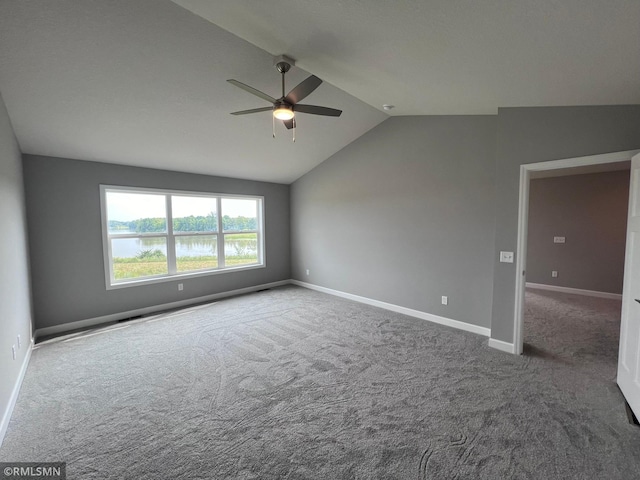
(506, 257)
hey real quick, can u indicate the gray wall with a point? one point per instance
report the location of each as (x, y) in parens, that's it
(408, 212)
(63, 205)
(529, 135)
(591, 212)
(15, 298)
(404, 215)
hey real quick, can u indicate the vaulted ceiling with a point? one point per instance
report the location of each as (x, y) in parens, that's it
(143, 82)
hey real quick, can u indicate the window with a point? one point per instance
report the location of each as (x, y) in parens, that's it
(153, 235)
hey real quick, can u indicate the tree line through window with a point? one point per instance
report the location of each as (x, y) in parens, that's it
(154, 234)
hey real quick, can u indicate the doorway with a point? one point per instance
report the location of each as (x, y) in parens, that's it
(577, 226)
(589, 164)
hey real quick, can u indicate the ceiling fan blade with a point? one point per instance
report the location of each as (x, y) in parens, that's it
(316, 110)
(253, 110)
(252, 90)
(303, 89)
(288, 123)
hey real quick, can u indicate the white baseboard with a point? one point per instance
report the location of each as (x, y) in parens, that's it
(91, 322)
(502, 346)
(575, 291)
(398, 309)
(6, 416)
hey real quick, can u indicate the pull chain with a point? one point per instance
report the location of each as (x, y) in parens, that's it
(273, 124)
(294, 129)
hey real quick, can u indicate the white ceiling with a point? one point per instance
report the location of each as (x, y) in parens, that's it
(143, 82)
(440, 57)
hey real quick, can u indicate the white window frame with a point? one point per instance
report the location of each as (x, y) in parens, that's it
(172, 275)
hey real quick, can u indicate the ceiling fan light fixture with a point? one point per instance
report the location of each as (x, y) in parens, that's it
(283, 113)
(287, 106)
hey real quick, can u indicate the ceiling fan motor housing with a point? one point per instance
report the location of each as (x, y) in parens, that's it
(283, 63)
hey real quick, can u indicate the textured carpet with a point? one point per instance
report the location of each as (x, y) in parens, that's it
(294, 384)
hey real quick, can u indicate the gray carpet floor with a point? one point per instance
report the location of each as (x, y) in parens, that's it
(294, 384)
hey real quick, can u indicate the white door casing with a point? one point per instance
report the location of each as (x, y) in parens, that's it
(629, 352)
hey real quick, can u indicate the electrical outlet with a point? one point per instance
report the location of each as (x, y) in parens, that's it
(180, 287)
(559, 239)
(307, 271)
(554, 273)
(445, 300)
(13, 351)
(19, 342)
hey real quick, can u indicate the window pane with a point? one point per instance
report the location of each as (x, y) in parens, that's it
(196, 252)
(136, 213)
(204, 232)
(139, 257)
(239, 214)
(194, 214)
(240, 249)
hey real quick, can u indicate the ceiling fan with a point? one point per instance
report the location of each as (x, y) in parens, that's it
(286, 107)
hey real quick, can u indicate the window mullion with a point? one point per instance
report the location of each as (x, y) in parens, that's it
(260, 230)
(112, 273)
(220, 236)
(171, 242)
